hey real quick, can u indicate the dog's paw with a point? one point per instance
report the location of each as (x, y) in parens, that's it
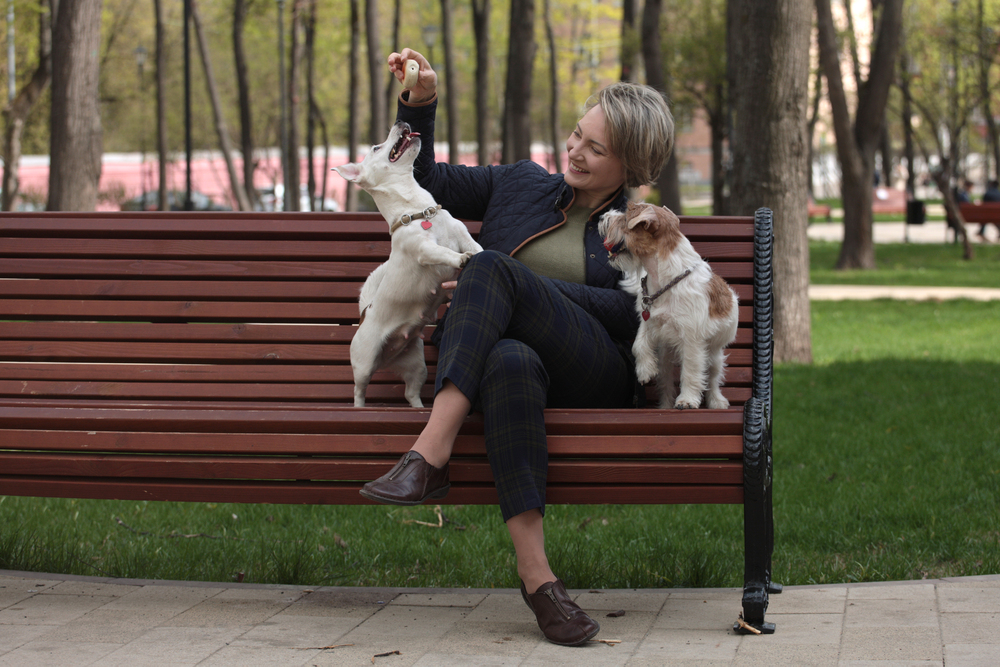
(684, 404)
(716, 402)
(466, 256)
(645, 371)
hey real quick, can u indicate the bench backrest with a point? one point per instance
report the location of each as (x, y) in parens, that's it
(984, 212)
(228, 307)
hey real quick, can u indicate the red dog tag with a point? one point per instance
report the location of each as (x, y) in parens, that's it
(645, 315)
(426, 224)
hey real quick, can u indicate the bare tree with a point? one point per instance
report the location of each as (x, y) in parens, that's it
(376, 68)
(668, 183)
(517, 100)
(221, 130)
(768, 52)
(243, 91)
(630, 40)
(556, 134)
(76, 135)
(353, 103)
(20, 107)
(450, 80)
(988, 46)
(161, 105)
(481, 28)
(294, 134)
(857, 141)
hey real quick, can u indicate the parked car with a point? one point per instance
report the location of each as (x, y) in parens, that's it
(150, 201)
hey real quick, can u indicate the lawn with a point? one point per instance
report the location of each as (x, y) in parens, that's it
(925, 264)
(887, 467)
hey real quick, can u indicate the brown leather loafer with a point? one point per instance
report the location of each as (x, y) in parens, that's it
(560, 619)
(410, 482)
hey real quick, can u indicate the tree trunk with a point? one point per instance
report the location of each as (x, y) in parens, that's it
(294, 132)
(811, 126)
(225, 143)
(668, 183)
(309, 23)
(243, 90)
(76, 134)
(630, 41)
(20, 107)
(517, 101)
(161, 106)
(481, 28)
(769, 70)
(376, 67)
(392, 85)
(987, 47)
(858, 141)
(554, 85)
(717, 124)
(353, 103)
(450, 79)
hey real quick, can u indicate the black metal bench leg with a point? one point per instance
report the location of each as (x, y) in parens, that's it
(758, 523)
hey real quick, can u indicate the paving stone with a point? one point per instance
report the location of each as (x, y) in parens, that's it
(891, 643)
(808, 600)
(892, 591)
(698, 613)
(173, 646)
(912, 613)
(100, 589)
(44, 652)
(613, 600)
(675, 646)
(297, 632)
(968, 599)
(972, 655)
(50, 609)
(961, 628)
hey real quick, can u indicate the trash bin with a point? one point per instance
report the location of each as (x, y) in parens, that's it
(915, 212)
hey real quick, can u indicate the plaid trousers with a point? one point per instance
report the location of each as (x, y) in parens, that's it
(514, 345)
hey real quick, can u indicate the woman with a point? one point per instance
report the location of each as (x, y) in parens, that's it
(550, 328)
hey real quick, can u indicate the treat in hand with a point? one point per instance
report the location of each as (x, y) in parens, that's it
(412, 70)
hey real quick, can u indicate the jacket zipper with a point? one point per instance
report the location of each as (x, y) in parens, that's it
(406, 462)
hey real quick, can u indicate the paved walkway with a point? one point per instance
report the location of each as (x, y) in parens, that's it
(48, 619)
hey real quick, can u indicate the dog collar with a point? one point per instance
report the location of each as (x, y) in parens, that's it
(647, 300)
(426, 214)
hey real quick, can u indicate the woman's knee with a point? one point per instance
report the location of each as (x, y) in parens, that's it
(514, 367)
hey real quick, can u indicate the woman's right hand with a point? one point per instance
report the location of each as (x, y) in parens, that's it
(426, 85)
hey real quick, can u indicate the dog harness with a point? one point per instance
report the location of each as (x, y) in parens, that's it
(647, 300)
(426, 214)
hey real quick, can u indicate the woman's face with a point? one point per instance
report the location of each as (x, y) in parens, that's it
(594, 171)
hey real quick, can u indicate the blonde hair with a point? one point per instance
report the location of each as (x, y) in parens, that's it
(638, 127)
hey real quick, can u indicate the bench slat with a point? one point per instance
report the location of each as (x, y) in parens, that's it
(354, 469)
(389, 446)
(333, 493)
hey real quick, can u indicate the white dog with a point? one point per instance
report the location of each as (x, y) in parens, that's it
(689, 314)
(402, 296)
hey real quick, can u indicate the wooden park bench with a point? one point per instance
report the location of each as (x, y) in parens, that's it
(205, 357)
(986, 212)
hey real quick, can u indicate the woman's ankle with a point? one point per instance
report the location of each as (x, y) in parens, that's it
(433, 455)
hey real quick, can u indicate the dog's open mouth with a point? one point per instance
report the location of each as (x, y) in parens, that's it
(614, 249)
(406, 138)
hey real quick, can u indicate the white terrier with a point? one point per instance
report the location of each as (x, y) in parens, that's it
(402, 296)
(689, 314)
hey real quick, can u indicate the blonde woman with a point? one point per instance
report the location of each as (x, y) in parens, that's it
(536, 320)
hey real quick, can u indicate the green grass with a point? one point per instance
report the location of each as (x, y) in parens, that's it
(887, 467)
(923, 264)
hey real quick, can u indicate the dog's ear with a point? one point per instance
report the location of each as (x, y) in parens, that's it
(668, 216)
(644, 216)
(350, 171)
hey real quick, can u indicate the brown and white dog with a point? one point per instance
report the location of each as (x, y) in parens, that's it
(688, 313)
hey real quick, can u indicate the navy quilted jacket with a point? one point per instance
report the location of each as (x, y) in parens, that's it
(516, 203)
